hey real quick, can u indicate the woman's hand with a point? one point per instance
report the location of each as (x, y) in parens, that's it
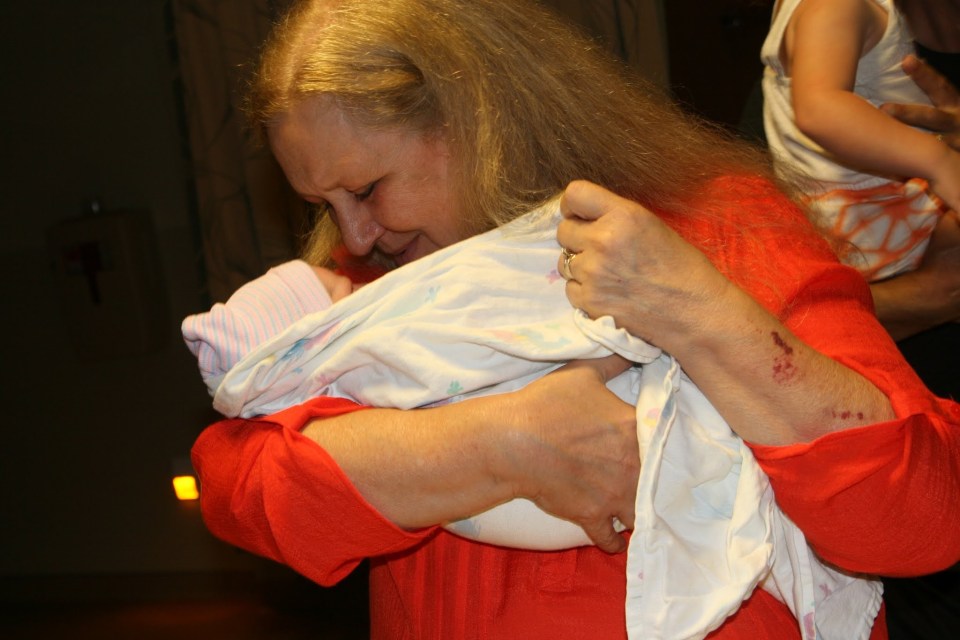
(629, 265)
(574, 448)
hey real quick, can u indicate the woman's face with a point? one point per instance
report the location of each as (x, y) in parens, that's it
(386, 189)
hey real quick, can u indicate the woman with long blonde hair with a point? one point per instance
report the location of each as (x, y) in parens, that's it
(414, 124)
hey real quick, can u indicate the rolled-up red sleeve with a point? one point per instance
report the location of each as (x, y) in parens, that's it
(880, 499)
(270, 490)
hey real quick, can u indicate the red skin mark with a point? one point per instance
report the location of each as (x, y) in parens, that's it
(784, 371)
(783, 368)
(777, 340)
(846, 415)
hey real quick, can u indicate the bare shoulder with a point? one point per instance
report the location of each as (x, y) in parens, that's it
(860, 22)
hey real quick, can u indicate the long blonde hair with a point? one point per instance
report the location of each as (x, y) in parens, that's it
(525, 102)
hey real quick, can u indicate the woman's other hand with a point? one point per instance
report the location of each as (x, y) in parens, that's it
(944, 116)
(573, 448)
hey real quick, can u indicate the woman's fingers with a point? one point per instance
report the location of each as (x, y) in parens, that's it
(586, 201)
(582, 205)
(605, 536)
(578, 457)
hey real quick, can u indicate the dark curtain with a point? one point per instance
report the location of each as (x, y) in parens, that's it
(249, 219)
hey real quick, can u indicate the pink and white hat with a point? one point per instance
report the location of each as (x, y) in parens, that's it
(257, 311)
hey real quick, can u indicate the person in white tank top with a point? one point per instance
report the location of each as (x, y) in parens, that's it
(880, 186)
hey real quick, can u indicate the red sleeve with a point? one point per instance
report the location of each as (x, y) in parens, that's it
(881, 499)
(270, 490)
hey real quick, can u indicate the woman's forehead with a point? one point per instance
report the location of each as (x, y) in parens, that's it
(321, 149)
(315, 143)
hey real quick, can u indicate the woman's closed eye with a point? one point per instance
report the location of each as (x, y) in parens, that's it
(366, 192)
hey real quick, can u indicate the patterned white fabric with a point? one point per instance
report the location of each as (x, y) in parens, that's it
(489, 315)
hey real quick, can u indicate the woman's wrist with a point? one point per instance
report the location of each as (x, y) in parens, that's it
(761, 377)
(708, 320)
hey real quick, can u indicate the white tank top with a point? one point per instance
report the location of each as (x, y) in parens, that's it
(879, 79)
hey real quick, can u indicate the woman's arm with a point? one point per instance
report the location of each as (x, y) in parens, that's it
(874, 499)
(929, 296)
(828, 38)
(564, 442)
(874, 477)
(769, 386)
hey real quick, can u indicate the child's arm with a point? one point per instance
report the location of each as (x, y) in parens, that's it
(826, 39)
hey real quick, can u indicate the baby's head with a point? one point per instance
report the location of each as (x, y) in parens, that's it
(258, 311)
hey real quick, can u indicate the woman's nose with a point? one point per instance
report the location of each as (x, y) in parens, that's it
(359, 230)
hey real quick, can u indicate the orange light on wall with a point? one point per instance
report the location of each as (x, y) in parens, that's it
(186, 488)
(184, 479)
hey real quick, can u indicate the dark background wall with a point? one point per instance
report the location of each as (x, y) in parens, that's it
(89, 110)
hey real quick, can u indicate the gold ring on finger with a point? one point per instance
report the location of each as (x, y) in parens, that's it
(568, 257)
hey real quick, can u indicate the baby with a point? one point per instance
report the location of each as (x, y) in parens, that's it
(262, 309)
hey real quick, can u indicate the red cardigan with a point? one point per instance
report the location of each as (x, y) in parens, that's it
(883, 499)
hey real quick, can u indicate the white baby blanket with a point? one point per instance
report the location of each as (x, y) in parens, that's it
(489, 315)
